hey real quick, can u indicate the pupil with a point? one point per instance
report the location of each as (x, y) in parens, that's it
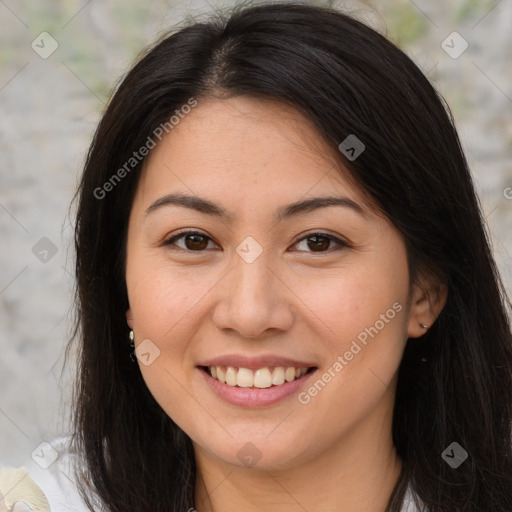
(320, 245)
(195, 239)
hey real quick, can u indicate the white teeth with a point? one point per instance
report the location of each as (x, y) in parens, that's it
(245, 378)
(231, 376)
(278, 376)
(289, 374)
(261, 378)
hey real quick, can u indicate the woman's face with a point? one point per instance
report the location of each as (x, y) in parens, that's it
(307, 329)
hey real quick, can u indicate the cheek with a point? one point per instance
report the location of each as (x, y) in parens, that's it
(348, 304)
(162, 297)
(362, 316)
(165, 303)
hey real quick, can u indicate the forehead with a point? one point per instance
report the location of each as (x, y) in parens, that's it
(247, 147)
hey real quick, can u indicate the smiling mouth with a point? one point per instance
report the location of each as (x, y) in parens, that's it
(261, 378)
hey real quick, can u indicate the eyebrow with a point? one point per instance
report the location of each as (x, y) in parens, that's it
(284, 212)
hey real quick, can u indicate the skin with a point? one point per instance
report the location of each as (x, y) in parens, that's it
(251, 157)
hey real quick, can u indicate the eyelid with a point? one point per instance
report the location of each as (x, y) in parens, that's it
(186, 231)
(337, 239)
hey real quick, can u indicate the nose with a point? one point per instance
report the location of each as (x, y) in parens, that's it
(253, 300)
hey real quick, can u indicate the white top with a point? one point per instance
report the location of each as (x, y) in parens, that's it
(45, 483)
(49, 484)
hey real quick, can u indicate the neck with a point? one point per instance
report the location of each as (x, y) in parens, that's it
(357, 474)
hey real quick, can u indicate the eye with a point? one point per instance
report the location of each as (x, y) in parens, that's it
(195, 241)
(318, 242)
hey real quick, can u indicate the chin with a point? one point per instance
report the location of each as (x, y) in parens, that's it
(258, 453)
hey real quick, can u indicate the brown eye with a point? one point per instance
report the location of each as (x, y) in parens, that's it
(320, 242)
(193, 241)
(196, 242)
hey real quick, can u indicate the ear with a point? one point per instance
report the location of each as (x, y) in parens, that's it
(428, 298)
(129, 318)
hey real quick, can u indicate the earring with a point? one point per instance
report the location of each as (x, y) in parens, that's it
(423, 360)
(132, 346)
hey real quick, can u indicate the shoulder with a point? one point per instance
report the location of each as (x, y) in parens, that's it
(46, 482)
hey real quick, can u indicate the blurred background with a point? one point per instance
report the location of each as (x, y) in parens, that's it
(60, 59)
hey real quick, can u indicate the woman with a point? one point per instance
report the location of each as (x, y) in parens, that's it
(277, 220)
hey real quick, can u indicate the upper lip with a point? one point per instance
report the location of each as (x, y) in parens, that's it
(254, 363)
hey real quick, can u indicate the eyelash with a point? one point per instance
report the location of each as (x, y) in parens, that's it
(182, 234)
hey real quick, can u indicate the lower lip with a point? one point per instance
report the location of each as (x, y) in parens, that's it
(255, 397)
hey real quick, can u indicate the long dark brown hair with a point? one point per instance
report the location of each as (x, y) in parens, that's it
(454, 383)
